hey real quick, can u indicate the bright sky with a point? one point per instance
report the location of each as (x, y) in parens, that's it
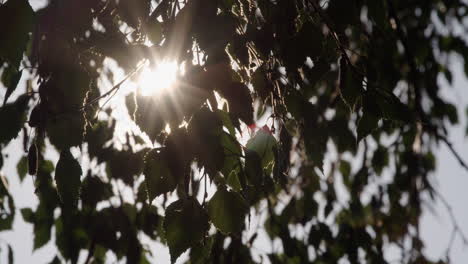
(436, 227)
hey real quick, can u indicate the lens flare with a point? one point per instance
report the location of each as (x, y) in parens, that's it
(155, 80)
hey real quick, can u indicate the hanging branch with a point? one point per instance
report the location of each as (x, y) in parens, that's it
(328, 23)
(456, 226)
(452, 149)
(114, 88)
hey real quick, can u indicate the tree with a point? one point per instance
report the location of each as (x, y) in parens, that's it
(348, 88)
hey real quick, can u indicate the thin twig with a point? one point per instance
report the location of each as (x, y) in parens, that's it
(90, 252)
(452, 149)
(114, 88)
(455, 224)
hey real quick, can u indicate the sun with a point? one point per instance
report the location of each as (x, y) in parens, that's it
(153, 80)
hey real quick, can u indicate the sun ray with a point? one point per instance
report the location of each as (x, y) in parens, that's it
(153, 80)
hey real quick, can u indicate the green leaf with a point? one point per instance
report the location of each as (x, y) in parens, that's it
(232, 152)
(253, 168)
(28, 215)
(12, 118)
(240, 101)
(185, 225)
(227, 211)
(67, 177)
(350, 85)
(200, 253)
(260, 83)
(380, 159)
(366, 125)
(66, 130)
(227, 122)
(263, 143)
(94, 190)
(345, 169)
(22, 168)
(149, 220)
(41, 235)
(158, 177)
(10, 79)
(19, 16)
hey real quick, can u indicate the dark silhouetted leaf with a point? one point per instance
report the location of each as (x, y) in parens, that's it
(185, 225)
(263, 143)
(366, 125)
(158, 177)
(66, 130)
(253, 168)
(94, 190)
(22, 167)
(19, 15)
(68, 179)
(28, 215)
(32, 160)
(13, 114)
(10, 79)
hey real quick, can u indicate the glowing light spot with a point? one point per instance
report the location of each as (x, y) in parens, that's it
(155, 80)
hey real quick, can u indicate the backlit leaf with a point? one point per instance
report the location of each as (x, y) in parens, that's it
(12, 118)
(10, 79)
(158, 177)
(19, 16)
(185, 225)
(22, 168)
(263, 143)
(227, 210)
(68, 179)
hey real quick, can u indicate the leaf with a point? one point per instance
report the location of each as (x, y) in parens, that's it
(350, 85)
(380, 159)
(67, 178)
(232, 152)
(366, 125)
(227, 122)
(94, 190)
(263, 143)
(66, 130)
(227, 211)
(12, 118)
(345, 169)
(200, 253)
(185, 225)
(149, 220)
(205, 129)
(240, 101)
(253, 168)
(260, 83)
(22, 168)
(28, 215)
(158, 177)
(10, 79)
(41, 235)
(126, 165)
(19, 16)
(32, 160)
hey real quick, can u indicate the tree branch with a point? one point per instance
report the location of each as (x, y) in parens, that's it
(452, 149)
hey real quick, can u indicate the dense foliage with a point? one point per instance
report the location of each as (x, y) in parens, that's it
(316, 118)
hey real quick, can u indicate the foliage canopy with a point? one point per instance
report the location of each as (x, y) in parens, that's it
(348, 91)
